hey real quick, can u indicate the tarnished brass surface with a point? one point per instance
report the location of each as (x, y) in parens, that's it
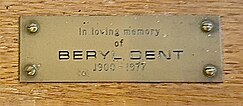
(120, 49)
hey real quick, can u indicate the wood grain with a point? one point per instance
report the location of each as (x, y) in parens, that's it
(229, 93)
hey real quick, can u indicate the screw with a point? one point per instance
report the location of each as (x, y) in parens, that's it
(210, 70)
(33, 27)
(31, 69)
(207, 26)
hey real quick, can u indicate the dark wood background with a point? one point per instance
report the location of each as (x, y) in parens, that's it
(229, 93)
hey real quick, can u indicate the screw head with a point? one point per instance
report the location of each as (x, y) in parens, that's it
(210, 70)
(33, 27)
(207, 26)
(31, 69)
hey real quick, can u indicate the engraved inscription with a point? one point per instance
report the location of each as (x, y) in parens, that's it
(120, 48)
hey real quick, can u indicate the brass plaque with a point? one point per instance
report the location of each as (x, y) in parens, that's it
(153, 48)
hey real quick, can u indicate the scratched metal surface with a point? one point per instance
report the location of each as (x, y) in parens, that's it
(93, 34)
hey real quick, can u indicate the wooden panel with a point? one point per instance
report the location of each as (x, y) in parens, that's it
(228, 93)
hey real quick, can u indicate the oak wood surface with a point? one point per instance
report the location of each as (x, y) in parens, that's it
(229, 93)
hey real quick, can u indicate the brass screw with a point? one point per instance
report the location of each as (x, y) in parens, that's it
(210, 70)
(33, 27)
(31, 69)
(207, 26)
